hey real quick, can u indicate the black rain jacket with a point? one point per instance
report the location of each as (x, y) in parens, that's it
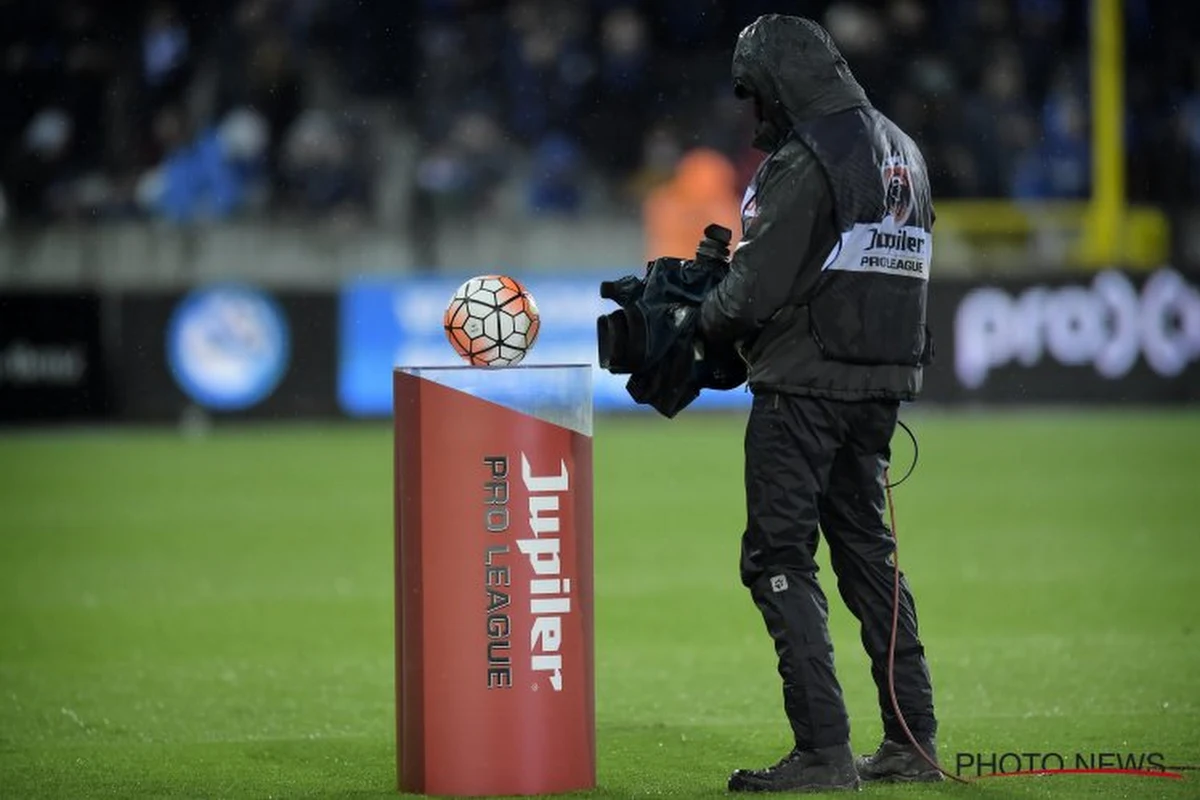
(826, 291)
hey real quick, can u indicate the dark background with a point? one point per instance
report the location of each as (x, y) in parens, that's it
(43, 323)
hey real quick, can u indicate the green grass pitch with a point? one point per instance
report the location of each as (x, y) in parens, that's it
(212, 617)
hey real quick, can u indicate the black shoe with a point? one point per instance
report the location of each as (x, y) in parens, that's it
(896, 762)
(823, 770)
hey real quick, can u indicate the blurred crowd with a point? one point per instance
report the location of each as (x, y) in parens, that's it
(211, 109)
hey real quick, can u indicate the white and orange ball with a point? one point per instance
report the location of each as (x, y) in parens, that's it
(492, 321)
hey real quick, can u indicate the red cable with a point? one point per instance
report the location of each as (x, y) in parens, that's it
(891, 665)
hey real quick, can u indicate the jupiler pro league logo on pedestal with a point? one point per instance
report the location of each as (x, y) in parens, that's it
(228, 346)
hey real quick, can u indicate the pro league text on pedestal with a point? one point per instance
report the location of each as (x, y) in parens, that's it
(494, 623)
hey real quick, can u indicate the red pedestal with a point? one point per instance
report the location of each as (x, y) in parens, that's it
(495, 688)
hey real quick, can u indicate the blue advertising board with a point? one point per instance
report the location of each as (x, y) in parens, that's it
(390, 322)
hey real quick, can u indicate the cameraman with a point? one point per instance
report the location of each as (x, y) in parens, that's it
(825, 300)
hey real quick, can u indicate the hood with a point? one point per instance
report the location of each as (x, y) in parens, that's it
(794, 72)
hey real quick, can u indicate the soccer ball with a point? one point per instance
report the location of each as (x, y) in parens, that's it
(492, 321)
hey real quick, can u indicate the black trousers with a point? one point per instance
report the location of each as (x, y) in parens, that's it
(819, 463)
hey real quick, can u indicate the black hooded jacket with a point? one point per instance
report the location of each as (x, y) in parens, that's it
(826, 291)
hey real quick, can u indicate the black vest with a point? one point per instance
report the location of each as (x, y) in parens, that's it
(869, 305)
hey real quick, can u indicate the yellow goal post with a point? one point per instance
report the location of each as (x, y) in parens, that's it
(1103, 231)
